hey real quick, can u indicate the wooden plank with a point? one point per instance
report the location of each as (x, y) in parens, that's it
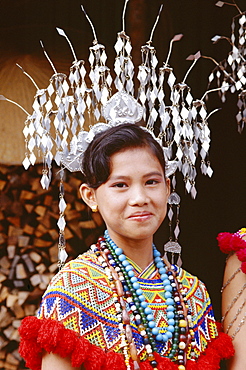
(9, 331)
(23, 240)
(26, 195)
(40, 210)
(40, 231)
(90, 224)
(53, 268)
(45, 281)
(3, 238)
(4, 293)
(72, 214)
(41, 243)
(14, 221)
(11, 300)
(48, 200)
(54, 234)
(29, 207)
(11, 249)
(35, 256)
(14, 231)
(11, 359)
(2, 184)
(28, 262)
(5, 263)
(45, 220)
(8, 366)
(2, 277)
(22, 297)
(20, 271)
(80, 206)
(68, 234)
(74, 226)
(53, 252)
(28, 229)
(5, 317)
(97, 218)
(30, 309)
(35, 279)
(18, 310)
(41, 268)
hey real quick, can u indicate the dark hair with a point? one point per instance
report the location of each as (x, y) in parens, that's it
(96, 160)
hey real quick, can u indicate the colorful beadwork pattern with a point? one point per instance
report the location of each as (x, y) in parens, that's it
(80, 297)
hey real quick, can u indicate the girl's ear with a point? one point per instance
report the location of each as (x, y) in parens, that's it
(168, 183)
(88, 195)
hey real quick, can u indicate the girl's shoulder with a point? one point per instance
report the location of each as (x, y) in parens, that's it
(85, 266)
(191, 283)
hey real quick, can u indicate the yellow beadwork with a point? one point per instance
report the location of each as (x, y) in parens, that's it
(182, 324)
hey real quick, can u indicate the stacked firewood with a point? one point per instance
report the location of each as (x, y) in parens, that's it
(28, 245)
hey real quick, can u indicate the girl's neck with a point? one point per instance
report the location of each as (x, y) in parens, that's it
(139, 251)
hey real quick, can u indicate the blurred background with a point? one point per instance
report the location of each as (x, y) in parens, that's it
(28, 215)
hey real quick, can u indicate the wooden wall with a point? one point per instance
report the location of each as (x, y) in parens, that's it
(28, 246)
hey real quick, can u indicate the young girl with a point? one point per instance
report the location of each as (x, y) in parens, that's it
(120, 305)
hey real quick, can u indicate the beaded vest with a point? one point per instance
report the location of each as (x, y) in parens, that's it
(80, 297)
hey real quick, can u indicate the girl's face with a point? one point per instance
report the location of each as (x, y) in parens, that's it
(133, 200)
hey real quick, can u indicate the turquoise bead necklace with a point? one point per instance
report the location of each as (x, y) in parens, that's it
(177, 330)
(132, 281)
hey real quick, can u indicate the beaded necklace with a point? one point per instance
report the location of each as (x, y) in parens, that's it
(129, 299)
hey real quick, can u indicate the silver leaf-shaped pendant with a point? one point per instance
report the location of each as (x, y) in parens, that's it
(174, 198)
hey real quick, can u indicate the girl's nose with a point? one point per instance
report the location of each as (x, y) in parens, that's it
(138, 196)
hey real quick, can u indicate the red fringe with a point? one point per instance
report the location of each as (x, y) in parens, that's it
(230, 242)
(50, 335)
(233, 243)
(224, 242)
(241, 254)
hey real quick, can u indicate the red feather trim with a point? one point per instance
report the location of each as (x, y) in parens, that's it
(243, 267)
(233, 243)
(237, 243)
(114, 361)
(230, 242)
(241, 254)
(50, 335)
(224, 242)
(223, 346)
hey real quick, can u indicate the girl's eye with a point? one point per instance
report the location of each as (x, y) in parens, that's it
(120, 185)
(152, 182)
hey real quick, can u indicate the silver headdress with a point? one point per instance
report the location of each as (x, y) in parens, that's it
(64, 114)
(72, 109)
(230, 73)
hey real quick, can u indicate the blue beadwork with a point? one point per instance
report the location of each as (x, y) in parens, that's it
(164, 275)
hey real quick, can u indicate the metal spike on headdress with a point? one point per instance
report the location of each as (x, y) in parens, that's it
(147, 76)
(232, 70)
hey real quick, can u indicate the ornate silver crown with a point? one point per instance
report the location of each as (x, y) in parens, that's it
(67, 114)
